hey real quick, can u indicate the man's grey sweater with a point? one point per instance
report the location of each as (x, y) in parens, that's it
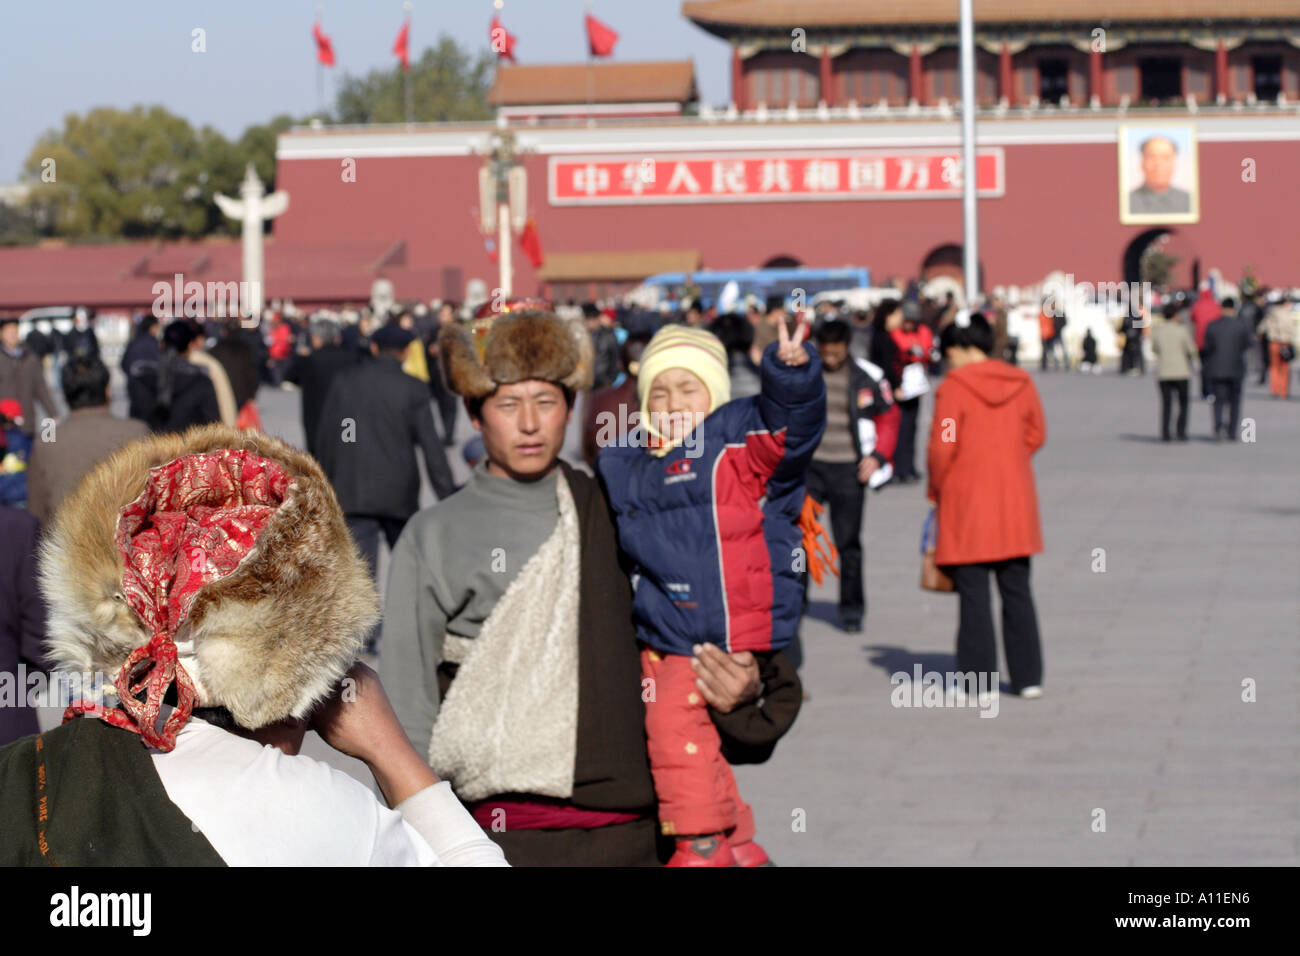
(449, 569)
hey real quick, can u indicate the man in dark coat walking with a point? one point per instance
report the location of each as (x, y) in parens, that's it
(315, 372)
(373, 414)
(1227, 341)
(22, 619)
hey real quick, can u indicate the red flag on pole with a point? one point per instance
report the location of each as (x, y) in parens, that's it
(324, 49)
(600, 37)
(401, 47)
(531, 243)
(503, 41)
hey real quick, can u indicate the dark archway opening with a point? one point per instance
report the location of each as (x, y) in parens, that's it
(783, 262)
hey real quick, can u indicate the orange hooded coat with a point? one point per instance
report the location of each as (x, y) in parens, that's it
(988, 422)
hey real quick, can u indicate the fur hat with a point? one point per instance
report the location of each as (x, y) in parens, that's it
(515, 347)
(219, 558)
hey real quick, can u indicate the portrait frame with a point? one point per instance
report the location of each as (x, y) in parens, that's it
(1186, 175)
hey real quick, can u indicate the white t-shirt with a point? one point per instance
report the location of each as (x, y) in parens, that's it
(258, 806)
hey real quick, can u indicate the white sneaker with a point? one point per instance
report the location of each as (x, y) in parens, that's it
(1033, 692)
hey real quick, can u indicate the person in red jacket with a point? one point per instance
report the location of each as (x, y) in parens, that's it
(915, 342)
(988, 423)
(1204, 311)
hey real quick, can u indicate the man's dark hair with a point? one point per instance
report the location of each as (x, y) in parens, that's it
(1229, 303)
(833, 332)
(734, 331)
(146, 326)
(1171, 310)
(85, 382)
(637, 341)
(979, 334)
(775, 303)
(474, 406)
(179, 333)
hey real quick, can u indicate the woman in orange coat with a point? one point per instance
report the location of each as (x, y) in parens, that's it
(988, 423)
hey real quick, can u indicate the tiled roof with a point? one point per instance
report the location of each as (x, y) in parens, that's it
(615, 266)
(714, 15)
(671, 81)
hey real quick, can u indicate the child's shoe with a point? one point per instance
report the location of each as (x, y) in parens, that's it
(750, 853)
(703, 851)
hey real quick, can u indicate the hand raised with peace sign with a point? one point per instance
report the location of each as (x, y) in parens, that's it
(791, 350)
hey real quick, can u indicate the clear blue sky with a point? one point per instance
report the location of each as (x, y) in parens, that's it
(71, 55)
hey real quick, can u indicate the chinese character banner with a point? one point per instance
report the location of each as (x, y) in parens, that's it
(910, 174)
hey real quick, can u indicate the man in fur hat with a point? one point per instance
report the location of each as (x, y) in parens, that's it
(211, 577)
(509, 649)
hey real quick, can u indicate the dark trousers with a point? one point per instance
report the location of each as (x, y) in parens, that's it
(1264, 361)
(1170, 389)
(365, 531)
(836, 486)
(977, 648)
(905, 453)
(1207, 387)
(1132, 357)
(1227, 405)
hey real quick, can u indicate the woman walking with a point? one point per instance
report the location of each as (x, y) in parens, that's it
(1279, 331)
(988, 423)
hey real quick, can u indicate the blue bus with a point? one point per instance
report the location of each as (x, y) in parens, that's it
(761, 282)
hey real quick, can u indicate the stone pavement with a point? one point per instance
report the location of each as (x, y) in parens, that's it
(1142, 715)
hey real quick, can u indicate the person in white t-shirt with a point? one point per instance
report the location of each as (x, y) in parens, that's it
(213, 575)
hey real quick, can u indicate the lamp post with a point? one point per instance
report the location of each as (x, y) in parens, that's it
(970, 238)
(503, 201)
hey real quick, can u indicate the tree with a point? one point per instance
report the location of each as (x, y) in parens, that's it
(140, 173)
(117, 173)
(447, 85)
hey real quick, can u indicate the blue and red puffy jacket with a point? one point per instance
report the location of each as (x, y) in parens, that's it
(711, 530)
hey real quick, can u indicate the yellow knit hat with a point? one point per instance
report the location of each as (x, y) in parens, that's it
(680, 346)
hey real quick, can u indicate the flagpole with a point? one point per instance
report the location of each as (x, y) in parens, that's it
(590, 78)
(410, 110)
(320, 73)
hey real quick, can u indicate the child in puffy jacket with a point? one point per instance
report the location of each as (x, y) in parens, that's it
(707, 509)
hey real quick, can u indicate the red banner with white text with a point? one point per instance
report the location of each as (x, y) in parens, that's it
(770, 177)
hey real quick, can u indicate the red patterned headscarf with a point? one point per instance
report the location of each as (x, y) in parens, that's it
(198, 517)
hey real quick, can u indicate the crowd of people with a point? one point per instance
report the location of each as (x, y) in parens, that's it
(570, 658)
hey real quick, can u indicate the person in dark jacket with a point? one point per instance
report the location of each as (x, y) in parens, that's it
(143, 344)
(81, 341)
(315, 372)
(609, 412)
(446, 400)
(737, 337)
(1227, 341)
(604, 347)
(22, 620)
(22, 377)
(171, 394)
(855, 452)
(239, 361)
(373, 417)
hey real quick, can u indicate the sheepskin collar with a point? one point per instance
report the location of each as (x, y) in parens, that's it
(262, 590)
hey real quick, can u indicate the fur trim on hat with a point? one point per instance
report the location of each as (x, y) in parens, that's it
(518, 346)
(271, 639)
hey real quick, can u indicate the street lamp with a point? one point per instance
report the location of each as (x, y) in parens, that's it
(503, 200)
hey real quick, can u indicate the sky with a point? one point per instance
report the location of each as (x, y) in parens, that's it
(260, 57)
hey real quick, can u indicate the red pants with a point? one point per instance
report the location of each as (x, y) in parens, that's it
(1279, 372)
(693, 782)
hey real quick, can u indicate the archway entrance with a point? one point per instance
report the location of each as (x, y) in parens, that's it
(783, 262)
(1162, 257)
(943, 267)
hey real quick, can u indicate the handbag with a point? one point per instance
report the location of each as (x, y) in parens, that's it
(1286, 353)
(932, 579)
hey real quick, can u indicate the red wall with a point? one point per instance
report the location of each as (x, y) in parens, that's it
(1060, 211)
